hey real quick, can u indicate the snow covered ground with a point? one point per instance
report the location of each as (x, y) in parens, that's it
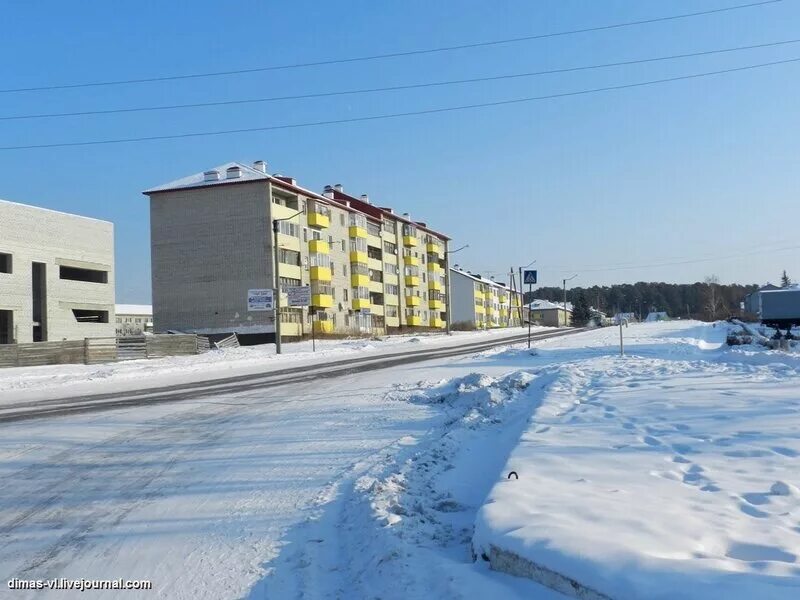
(669, 473)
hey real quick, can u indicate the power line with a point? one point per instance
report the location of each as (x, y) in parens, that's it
(397, 87)
(391, 54)
(398, 115)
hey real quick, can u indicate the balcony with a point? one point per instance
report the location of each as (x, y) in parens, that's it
(436, 304)
(321, 300)
(323, 326)
(358, 232)
(410, 260)
(320, 273)
(414, 321)
(359, 280)
(480, 309)
(412, 280)
(361, 303)
(435, 285)
(433, 248)
(438, 323)
(318, 247)
(434, 267)
(409, 241)
(412, 300)
(356, 256)
(503, 299)
(318, 219)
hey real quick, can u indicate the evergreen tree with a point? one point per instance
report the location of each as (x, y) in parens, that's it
(785, 281)
(581, 313)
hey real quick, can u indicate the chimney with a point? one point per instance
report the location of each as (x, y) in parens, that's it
(388, 209)
(365, 198)
(233, 173)
(328, 192)
(260, 166)
(211, 176)
(339, 187)
(407, 216)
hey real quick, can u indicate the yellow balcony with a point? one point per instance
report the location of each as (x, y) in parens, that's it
(433, 248)
(360, 303)
(409, 240)
(412, 281)
(411, 260)
(479, 309)
(412, 300)
(503, 299)
(358, 257)
(436, 304)
(434, 267)
(414, 321)
(487, 294)
(435, 284)
(318, 247)
(357, 232)
(316, 219)
(491, 310)
(323, 326)
(478, 295)
(438, 323)
(359, 280)
(321, 300)
(320, 273)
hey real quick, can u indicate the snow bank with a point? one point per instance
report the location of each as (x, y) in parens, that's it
(672, 472)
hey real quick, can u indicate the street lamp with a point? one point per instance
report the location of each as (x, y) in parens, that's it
(277, 280)
(522, 293)
(448, 312)
(565, 296)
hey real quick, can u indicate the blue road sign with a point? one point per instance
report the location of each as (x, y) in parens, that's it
(529, 277)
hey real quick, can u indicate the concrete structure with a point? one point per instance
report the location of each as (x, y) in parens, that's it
(550, 314)
(479, 302)
(369, 269)
(56, 275)
(134, 319)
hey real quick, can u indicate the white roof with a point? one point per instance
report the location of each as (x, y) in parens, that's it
(481, 279)
(58, 212)
(134, 309)
(547, 305)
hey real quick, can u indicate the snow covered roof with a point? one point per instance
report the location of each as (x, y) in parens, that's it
(50, 210)
(548, 305)
(134, 309)
(481, 279)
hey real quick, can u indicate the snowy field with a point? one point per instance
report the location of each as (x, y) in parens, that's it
(669, 473)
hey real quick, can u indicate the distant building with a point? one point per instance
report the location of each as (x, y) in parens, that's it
(56, 275)
(550, 314)
(752, 302)
(624, 317)
(134, 319)
(656, 316)
(479, 302)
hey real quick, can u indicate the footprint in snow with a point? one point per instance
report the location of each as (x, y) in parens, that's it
(784, 451)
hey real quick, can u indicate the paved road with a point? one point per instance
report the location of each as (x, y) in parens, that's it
(149, 396)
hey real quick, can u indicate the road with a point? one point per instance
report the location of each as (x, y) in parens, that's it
(198, 487)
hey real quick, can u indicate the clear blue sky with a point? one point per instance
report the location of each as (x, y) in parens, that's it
(700, 169)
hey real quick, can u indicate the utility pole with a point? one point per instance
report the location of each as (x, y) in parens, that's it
(448, 304)
(565, 296)
(277, 280)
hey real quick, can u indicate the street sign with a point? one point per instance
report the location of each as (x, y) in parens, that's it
(260, 300)
(529, 277)
(299, 295)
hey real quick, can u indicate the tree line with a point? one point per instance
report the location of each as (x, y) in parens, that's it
(707, 300)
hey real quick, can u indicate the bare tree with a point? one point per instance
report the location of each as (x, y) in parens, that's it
(713, 303)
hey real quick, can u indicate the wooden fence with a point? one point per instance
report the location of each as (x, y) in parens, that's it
(92, 351)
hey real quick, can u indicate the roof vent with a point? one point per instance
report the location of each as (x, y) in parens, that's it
(233, 173)
(388, 209)
(407, 216)
(260, 166)
(211, 176)
(339, 187)
(365, 198)
(422, 223)
(328, 192)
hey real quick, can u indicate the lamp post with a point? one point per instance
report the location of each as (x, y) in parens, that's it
(448, 312)
(277, 279)
(565, 296)
(522, 293)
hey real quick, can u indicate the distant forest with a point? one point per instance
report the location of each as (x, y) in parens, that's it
(705, 301)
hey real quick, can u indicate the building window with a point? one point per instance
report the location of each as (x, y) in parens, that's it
(373, 228)
(390, 247)
(5, 262)
(90, 316)
(375, 253)
(344, 270)
(344, 245)
(389, 226)
(289, 257)
(305, 234)
(392, 289)
(287, 282)
(341, 219)
(330, 240)
(344, 294)
(287, 228)
(78, 274)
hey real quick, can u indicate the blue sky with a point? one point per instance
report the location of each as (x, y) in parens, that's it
(630, 185)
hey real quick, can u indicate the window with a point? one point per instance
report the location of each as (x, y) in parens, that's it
(330, 240)
(392, 289)
(390, 247)
(344, 269)
(389, 226)
(287, 282)
(358, 244)
(90, 316)
(289, 257)
(316, 235)
(320, 260)
(287, 228)
(78, 274)
(358, 220)
(391, 269)
(373, 228)
(5, 262)
(376, 275)
(305, 234)
(375, 253)
(391, 311)
(376, 298)
(344, 293)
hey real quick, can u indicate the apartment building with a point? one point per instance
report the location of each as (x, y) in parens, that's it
(212, 242)
(478, 302)
(56, 275)
(134, 319)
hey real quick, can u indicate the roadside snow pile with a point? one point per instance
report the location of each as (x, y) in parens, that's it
(672, 473)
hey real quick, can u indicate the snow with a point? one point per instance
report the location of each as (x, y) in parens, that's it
(134, 309)
(673, 468)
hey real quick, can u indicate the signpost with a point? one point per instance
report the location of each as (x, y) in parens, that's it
(300, 295)
(260, 300)
(530, 278)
